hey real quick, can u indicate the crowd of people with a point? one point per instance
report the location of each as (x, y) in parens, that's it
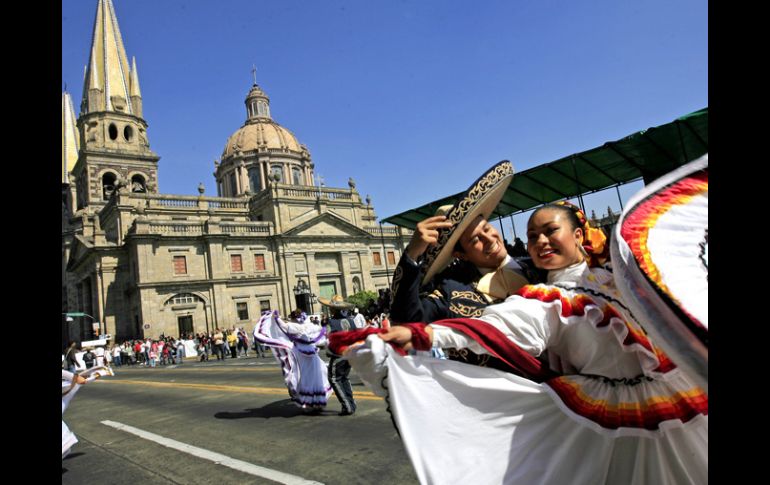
(165, 350)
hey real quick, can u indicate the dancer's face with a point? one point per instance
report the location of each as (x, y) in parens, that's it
(552, 242)
(482, 245)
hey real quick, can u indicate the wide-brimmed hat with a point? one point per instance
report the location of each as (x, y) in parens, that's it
(336, 302)
(480, 199)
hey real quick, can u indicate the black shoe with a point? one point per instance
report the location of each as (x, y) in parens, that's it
(345, 412)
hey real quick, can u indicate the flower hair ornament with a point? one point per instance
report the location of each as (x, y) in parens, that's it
(594, 247)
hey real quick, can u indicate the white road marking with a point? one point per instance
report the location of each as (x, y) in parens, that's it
(217, 458)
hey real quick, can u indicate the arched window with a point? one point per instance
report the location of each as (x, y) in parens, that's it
(108, 185)
(277, 169)
(137, 184)
(233, 185)
(296, 175)
(255, 179)
(356, 285)
(183, 298)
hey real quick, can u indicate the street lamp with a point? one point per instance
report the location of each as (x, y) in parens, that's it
(96, 325)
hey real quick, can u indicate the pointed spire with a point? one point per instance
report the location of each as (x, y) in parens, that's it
(134, 82)
(70, 140)
(108, 66)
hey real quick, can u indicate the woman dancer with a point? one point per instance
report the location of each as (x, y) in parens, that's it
(70, 384)
(608, 407)
(294, 344)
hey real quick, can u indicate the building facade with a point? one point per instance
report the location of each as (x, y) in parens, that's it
(143, 263)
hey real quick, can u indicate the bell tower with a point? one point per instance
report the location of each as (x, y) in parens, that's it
(114, 146)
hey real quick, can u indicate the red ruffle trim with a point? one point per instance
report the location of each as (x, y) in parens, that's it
(498, 345)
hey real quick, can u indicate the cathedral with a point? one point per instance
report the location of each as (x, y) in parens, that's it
(137, 262)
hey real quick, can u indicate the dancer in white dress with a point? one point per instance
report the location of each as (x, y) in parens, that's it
(295, 347)
(608, 407)
(70, 385)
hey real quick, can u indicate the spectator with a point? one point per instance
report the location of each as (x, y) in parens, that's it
(116, 355)
(232, 342)
(219, 345)
(153, 353)
(70, 359)
(519, 249)
(203, 350)
(139, 352)
(165, 355)
(89, 358)
(358, 319)
(243, 342)
(180, 352)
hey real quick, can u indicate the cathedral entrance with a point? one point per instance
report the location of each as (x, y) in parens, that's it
(185, 324)
(327, 290)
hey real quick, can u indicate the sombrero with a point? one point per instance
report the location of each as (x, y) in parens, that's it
(480, 199)
(336, 302)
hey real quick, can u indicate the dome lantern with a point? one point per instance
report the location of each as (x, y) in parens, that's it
(257, 104)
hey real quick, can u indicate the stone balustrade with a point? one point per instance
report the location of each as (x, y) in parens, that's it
(193, 228)
(176, 228)
(184, 202)
(388, 231)
(249, 228)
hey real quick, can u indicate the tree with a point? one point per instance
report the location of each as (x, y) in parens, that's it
(361, 299)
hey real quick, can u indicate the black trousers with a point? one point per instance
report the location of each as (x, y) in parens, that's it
(339, 369)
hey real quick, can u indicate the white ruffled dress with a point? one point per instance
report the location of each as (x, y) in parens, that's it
(295, 347)
(69, 389)
(618, 410)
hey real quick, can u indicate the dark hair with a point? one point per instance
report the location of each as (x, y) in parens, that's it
(572, 217)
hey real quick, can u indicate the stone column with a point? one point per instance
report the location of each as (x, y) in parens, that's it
(347, 278)
(312, 278)
(366, 270)
(237, 172)
(244, 177)
(365, 258)
(288, 280)
(263, 170)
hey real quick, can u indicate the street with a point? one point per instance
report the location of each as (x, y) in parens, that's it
(228, 422)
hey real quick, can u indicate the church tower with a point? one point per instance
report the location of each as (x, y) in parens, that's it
(114, 148)
(70, 142)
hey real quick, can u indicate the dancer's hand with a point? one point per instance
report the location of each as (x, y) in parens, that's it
(398, 335)
(426, 234)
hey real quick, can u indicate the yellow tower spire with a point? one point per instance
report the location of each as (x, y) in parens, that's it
(107, 83)
(70, 140)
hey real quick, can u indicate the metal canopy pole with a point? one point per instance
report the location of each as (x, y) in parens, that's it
(500, 221)
(513, 226)
(617, 189)
(577, 182)
(384, 255)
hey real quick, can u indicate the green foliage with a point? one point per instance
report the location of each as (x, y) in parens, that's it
(361, 299)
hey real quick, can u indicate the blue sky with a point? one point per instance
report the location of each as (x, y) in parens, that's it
(413, 99)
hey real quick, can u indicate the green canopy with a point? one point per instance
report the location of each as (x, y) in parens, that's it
(646, 155)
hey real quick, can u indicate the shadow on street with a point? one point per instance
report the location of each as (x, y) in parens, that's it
(284, 408)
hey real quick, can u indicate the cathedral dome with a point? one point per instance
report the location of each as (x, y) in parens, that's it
(260, 134)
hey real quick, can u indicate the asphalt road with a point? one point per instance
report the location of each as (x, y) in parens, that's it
(222, 423)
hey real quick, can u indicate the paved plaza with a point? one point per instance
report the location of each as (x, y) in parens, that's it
(228, 422)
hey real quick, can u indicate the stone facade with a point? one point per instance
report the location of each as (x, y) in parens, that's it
(144, 263)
